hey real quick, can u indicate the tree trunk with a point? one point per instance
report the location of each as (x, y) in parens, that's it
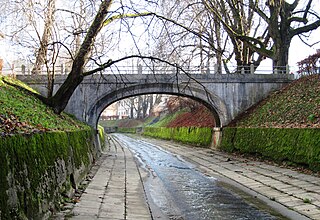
(151, 104)
(281, 57)
(41, 57)
(139, 110)
(60, 100)
(50, 77)
(132, 108)
(280, 32)
(217, 26)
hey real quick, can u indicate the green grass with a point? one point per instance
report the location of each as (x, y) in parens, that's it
(40, 162)
(165, 120)
(109, 123)
(293, 146)
(189, 135)
(24, 113)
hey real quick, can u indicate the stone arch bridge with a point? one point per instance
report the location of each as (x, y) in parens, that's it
(226, 95)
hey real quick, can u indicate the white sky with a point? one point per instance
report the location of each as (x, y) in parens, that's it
(298, 50)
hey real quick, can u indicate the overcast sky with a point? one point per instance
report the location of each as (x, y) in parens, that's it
(298, 50)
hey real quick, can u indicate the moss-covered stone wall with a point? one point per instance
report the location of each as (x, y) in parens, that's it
(102, 137)
(127, 130)
(36, 170)
(189, 135)
(292, 145)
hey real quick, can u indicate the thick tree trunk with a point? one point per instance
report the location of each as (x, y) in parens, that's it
(60, 100)
(279, 29)
(281, 57)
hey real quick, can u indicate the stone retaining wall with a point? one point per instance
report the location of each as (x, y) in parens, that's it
(37, 171)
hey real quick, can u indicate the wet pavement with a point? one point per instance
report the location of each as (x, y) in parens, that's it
(189, 194)
(115, 192)
(148, 182)
(293, 194)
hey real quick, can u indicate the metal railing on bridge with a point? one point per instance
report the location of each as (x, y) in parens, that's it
(139, 69)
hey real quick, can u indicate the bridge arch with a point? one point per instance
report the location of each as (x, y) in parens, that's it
(210, 100)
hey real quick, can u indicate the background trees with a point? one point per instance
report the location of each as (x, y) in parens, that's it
(285, 20)
(310, 65)
(246, 31)
(91, 36)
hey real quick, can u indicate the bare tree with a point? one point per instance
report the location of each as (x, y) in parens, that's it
(283, 21)
(295, 19)
(236, 18)
(256, 29)
(198, 33)
(139, 106)
(41, 55)
(113, 22)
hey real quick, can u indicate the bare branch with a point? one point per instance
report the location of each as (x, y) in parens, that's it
(305, 29)
(121, 16)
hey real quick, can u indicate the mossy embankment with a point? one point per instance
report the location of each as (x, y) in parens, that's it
(186, 126)
(188, 135)
(285, 127)
(43, 155)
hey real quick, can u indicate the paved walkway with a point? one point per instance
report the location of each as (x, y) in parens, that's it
(116, 190)
(296, 191)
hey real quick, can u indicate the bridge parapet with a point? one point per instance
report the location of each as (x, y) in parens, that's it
(164, 78)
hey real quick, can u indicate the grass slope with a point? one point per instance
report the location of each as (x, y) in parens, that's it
(295, 106)
(122, 123)
(166, 119)
(24, 113)
(201, 117)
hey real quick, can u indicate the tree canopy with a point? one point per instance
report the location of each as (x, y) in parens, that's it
(86, 34)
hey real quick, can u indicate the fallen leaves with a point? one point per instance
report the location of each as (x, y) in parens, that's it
(10, 124)
(199, 117)
(295, 106)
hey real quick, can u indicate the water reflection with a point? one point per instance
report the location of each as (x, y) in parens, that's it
(181, 192)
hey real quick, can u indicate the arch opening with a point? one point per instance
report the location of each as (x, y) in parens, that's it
(150, 109)
(216, 106)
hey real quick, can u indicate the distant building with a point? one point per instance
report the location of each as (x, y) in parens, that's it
(115, 111)
(110, 113)
(161, 108)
